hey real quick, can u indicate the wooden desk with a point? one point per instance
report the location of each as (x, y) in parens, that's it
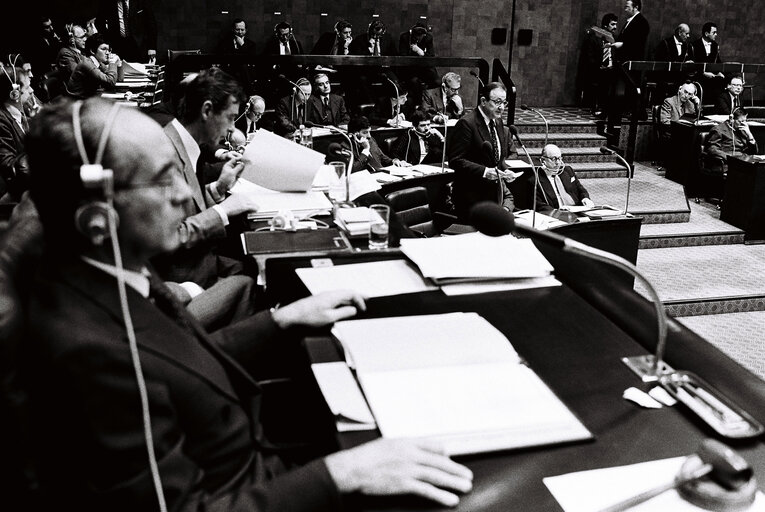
(744, 202)
(574, 344)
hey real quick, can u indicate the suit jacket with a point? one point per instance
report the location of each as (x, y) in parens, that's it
(141, 25)
(336, 115)
(407, 147)
(13, 168)
(469, 154)
(433, 103)
(673, 110)
(720, 141)
(87, 78)
(634, 37)
(372, 162)
(724, 103)
(272, 46)
(326, 45)
(384, 110)
(204, 406)
(66, 62)
(700, 52)
(288, 107)
(546, 198)
(426, 45)
(226, 46)
(667, 51)
(360, 45)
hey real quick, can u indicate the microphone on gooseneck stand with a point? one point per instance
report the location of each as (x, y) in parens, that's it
(514, 133)
(478, 77)
(701, 100)
(443, 149)
(397, 109)
(608, 151)
(537, 112)
(337, 149)
(297, 90)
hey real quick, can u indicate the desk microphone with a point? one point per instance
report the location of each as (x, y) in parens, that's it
(446, 127)
(338, 149)
(478, 77)
(298, 89)
(514, 133)
(493, 220)
(701, 100)
(397, 110)
(537, 112)
(608, 151)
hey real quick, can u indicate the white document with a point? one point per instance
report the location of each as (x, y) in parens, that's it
(271, 202)
(590, 491)
(453, 378)
(517, 164)
(717, 118)
(541, 221)
(325, 176)
(499, 285)
(343, 397)
(362, 183)
(474, 255)
(384, 177)
(280, 164)
(376, 279)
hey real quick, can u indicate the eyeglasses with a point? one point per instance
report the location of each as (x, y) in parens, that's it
(167, 185)
(737, 85)
(554, 158)
(499, 103)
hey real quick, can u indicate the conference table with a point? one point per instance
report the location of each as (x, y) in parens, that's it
(573, 337)
(743, 204)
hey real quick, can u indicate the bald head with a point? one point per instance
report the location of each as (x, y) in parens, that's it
(551, 150)
(682, 32)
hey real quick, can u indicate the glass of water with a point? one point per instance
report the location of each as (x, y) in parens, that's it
(379, 226)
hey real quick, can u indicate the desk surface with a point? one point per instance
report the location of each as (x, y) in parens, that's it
(576, 350)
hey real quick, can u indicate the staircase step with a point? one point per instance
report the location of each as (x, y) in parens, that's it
(583, 154)
(572, 127)
(563, 140)
(587, 170)
(703, 228)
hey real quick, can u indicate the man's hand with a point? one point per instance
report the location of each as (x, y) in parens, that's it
(363, 143)
(238, 41)
(397, 466)
(617, 44)
(401, 163)
(416, 49)
(236, 204)
(319, 310)
(230, 172)
(586, 201)
(439, 119)
(457, 100)
(508, 176)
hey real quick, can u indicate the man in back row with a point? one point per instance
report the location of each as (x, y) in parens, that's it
(204, 406)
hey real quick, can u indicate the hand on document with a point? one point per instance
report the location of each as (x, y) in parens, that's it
(230, 172)
(238, 203)
(397, 466)
(319, 310)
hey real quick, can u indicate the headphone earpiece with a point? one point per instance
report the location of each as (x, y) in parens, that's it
(92, 220)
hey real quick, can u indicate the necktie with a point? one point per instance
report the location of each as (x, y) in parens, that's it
(165, 301)
(376, 52)
(326, 107)
(564, 198)
(494, 145)
(286, 48)
(606, 61)
(24, 123)
(124, 31)
(735, 102)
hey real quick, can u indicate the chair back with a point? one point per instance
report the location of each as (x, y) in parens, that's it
(413, 209)
(173, 54)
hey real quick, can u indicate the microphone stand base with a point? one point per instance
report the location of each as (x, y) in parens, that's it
(643, 367)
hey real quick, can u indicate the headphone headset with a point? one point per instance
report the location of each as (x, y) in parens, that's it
(15, 87)
(93, 218)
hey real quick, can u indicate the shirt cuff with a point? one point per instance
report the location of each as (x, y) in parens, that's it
(219, 153)
(218, 208)
(212, 189)
(487, 172)
(366, 153)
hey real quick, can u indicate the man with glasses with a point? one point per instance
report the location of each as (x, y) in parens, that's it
(477, 150)
(558, 187)
(445, 101)
(70, 56)
(730, 99)
(254, 110)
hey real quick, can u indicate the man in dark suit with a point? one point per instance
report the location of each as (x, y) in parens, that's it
(293, 106)
(393, 108)
(203, 406)
(477, 150)
(44, 46)
(445, 101)
(375, 41)
(283, 41)
(237, 42)
(337, 42)
(731, 136)
(706, 49)
(367, 155)
(730, 98)
(324, 107)
(676, 48)
(559, 187)
(630, 44)
(421, 144)
(595, 75)
(15, 90)
(130, 27)
(253, 112)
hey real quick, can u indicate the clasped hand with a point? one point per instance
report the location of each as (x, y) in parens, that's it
(320, 310)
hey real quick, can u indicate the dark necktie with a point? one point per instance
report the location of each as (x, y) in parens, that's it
(735, 103)
(286, 48)
(325, 100)
(163, 298)
(125, 15)
(494, 145)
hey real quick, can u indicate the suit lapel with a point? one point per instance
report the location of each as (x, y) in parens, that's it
(17, 131)
(189, 173)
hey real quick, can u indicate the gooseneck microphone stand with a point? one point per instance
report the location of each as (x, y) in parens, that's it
(609, 151)
(544, 119)
(514, 133)
(349, 153)
(298, 90)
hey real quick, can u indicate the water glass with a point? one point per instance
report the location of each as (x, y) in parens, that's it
(379, 226)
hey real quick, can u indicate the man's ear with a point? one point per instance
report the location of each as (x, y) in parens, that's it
(207, 110)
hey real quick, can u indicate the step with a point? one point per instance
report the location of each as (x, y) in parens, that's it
(590, 170)
(707, 279)
(652, 197)
(703, 228)
(562, 140)
(558, 127)
(735, 334)
(584, 154)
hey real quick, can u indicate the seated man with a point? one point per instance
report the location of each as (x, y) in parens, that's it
(71, 55)
(293, 106)
(15, 91)
(336, 42)
(477, 150)
(366, 153)
(202, 404)
(558, 186)
(392, 108)
(324, 107)
(683, 105)
(99, 70)
(445, 101)
(254, 110)
(730, 98)
(421, 144)
(731, 136)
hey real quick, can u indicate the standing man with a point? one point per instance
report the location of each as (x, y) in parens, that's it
(421, 144)
(706, 49)
(444, 102)
(730, 98)
(337, 42)
(630, 44)
(324, 107)
(559, 187)
(44, 46)
(596, 64)
(15, 91)
(477, 151)
(130, 27)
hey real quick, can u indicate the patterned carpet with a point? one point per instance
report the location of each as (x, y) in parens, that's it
(555, 115)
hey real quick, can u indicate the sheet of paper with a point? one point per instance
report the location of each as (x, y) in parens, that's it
(280, 164)
(469, 408)
(717, 118)
(540, 220)
(271, 202)
(517, 164)
(499, 286)
(343, 397)
(376, 279)
(384, 177)
(474, 255)
(362, 183)
(324, 178)
(422, 341)
(134, 68)
(590, 491)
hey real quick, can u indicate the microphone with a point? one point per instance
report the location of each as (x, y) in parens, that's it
(701, 100)
(492, 220)
(478, 77)
(608, 151)
(514, 132)
(537, 112)
(443, 142)
(397, 110)
(298, 89)
(336, 148)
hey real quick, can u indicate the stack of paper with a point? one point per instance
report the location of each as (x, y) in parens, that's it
(374, 279)
(453, 379)
(540, 220)
(271, 202)
(354, 221)
(476, 257)
(413, 171)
